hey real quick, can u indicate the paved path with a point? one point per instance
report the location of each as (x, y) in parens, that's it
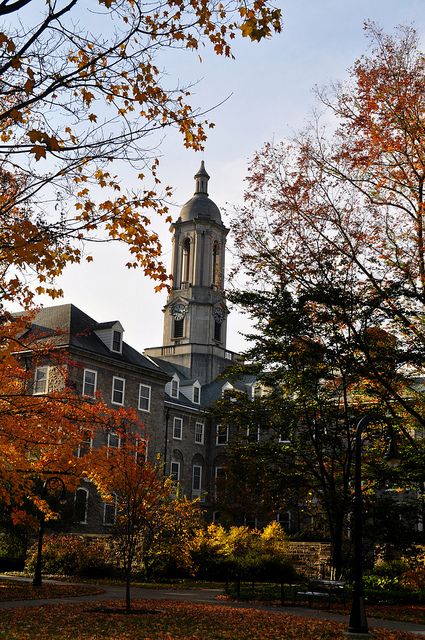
(206, 596)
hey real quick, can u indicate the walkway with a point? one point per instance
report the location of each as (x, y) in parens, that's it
(206, 596)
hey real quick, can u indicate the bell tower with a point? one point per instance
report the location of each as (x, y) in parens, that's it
(195, 315)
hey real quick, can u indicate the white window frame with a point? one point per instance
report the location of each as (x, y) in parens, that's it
(121, 404)
(87, 504)
(197, 490)
(114, 505)
(116, 331)
(253, 437)
(45, 379)
(177, 420)
(86, 440)
(146, 398)
(175, 476)
(116, 435)
(218, 435)
(200, 432)
(89, 395)
(139, 442)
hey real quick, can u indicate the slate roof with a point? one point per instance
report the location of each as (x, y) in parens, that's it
(212, 391)
(67, 326)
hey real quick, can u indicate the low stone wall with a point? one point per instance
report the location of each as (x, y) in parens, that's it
(311, 559)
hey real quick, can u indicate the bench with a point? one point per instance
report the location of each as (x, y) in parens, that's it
(323, 589)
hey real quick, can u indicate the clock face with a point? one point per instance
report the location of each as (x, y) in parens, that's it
(178, 311)
(218, 314)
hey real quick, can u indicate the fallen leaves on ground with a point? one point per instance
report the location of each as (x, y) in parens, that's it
(167, 620)
(25, 591)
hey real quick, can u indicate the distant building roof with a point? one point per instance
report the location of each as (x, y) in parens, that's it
(67, 326)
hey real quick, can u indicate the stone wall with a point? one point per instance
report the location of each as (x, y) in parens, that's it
(311, 559)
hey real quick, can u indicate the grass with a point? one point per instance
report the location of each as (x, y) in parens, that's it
(267, 593)
(14, 590)
(166, 620)
(270, 594)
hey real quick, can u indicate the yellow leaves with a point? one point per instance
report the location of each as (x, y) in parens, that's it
(93, 117)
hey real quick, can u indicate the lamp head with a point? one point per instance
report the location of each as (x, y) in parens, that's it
(392, 456)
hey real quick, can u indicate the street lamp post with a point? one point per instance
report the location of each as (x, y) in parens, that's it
(53, 480)
(358, 627)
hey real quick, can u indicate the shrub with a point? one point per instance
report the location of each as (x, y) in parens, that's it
(72, 555)
(243, 553)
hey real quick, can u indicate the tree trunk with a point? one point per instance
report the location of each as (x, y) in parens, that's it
(127, 589)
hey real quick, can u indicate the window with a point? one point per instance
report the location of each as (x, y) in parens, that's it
(89, 383)
(41, 379)
(175, 471)
(175, 387)
(117, 341)
(196, 395)
(196, 479)
(178, 428)
(81, 501)
(199, 433)
(178, 328)
(144, 397)
(253, 434)
(217, 331)
(86, 444)
(216, 265)
(114, 440)
(118, 389)
(284, 519)
(186, 262)
(110, 511)
(220, 479)
(222, 434)
(141, 451)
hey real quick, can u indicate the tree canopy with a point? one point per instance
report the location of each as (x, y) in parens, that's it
(82, 98)
(330, 241)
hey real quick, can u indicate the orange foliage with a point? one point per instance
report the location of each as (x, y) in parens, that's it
(40, 434)
(74, 102)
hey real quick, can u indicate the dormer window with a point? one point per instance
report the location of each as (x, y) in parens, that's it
(175, 388)
(116, 341)
(226, 388)
(196, 394)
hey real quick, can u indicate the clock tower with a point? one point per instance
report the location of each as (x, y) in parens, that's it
(195, 315)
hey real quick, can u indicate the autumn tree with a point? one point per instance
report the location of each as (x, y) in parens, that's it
(169, 537)
(346, 206)
(40, 434)
(136, 491)
(81, 104)
(332, 227)
(314, 391)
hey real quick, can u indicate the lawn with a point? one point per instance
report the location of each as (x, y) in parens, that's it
(167, 620)
(13, 590)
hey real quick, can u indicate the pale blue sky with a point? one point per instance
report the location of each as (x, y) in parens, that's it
(270, 85)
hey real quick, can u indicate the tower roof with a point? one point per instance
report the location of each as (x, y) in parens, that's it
(200, 205)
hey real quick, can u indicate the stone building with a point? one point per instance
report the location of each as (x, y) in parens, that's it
(172, 385)
(100, 361)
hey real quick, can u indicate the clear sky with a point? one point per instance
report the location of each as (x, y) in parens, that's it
(269, 90)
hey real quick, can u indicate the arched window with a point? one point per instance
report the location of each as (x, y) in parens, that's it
(186, 262)
(216, 265)
(81, 503)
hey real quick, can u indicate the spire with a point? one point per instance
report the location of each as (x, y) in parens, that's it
(201, 180)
